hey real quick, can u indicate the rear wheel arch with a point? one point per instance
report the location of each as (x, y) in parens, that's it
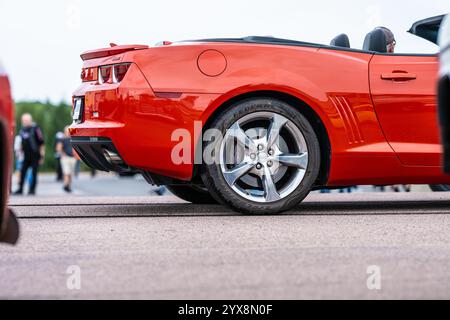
(301, 106)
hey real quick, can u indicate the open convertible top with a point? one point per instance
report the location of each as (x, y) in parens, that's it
(264, 40)
(427, 29)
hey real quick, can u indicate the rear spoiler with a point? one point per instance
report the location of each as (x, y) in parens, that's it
(106, 52)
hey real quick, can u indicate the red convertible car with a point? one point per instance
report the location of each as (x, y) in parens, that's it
(8, 223)
(256, 123)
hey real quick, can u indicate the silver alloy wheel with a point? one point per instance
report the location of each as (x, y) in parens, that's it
(264, 157)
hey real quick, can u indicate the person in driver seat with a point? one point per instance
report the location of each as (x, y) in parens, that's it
(390, 39)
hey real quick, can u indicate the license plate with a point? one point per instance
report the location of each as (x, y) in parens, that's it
(77, 110)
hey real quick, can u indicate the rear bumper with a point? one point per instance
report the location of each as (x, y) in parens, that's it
(100, 153)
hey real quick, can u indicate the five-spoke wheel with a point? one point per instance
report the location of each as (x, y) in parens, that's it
(263, 157)
(267, 160)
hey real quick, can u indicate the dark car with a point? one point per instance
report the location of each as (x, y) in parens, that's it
(444, 91)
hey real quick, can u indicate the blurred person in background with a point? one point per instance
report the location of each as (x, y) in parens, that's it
(77, 167)
(348, 189)
(160, 191)
(33, 149)
(399, 187)
(18, 153)
(59, 173)
(68, 159)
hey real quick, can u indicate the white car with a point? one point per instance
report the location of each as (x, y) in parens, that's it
(444, 90)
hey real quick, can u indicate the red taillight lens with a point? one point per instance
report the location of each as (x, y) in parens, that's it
(104, 74)
(89, 74)
(112, 73)
(120, 70)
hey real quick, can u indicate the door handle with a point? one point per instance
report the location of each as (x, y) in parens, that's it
(398, 76)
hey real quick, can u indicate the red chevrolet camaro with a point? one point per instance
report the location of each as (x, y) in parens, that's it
(8, 223)
(256, 123)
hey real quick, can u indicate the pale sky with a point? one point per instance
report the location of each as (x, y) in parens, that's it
(40, 41)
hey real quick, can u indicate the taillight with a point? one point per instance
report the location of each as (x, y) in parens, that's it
(89, 74)
(104, 74)
(119, 72)
(112, 73)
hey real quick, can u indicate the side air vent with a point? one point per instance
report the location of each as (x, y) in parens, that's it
(348, 116)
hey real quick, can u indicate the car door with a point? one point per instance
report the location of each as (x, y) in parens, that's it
(403, 89)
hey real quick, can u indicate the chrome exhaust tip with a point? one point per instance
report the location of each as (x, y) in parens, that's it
(112, 157)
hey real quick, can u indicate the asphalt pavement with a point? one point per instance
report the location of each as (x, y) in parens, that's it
(108, 241)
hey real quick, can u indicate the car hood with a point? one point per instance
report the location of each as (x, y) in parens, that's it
(428, 29)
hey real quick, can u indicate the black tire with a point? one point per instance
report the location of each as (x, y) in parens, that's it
(218, 187)
(192, 193)
(440, 187)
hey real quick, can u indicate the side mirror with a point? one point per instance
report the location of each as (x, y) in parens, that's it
(9, 227)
